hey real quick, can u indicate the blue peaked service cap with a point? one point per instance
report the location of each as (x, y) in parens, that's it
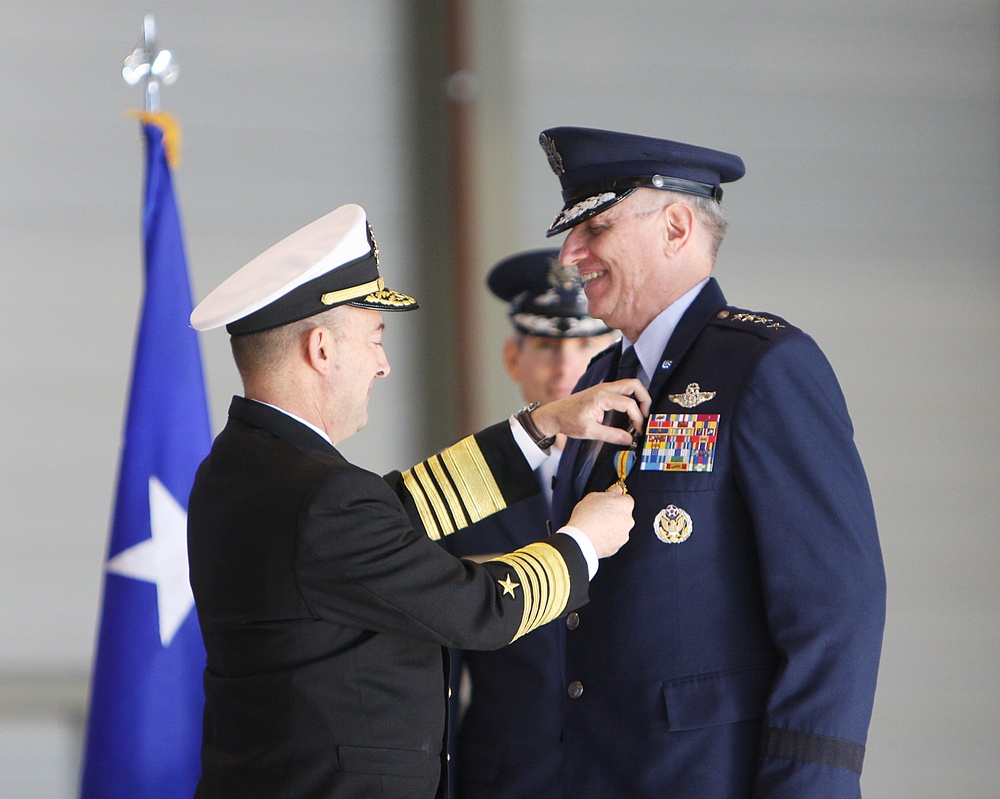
(599, 168)
(545, 297)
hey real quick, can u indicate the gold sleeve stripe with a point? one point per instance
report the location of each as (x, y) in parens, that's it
(541, 594)
(537, 578)
(545, 581)
(530, 582)
(454, 504)
(473, 479)
(434, 497)
(454, 489)
(412, 483)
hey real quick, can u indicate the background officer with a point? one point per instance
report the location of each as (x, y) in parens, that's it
(552, 341)
(731, 648)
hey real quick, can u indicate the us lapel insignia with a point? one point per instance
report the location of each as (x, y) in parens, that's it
(692, 396)
(673, 525)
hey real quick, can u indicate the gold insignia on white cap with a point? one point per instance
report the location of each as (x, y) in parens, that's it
(332, 298)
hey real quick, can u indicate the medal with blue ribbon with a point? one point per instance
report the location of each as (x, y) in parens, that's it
(624, 461)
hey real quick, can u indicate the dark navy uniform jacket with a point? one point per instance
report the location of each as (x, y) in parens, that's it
(730, 648)
(326, 607)
(507, 744)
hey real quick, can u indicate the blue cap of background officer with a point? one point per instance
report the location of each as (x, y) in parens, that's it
(554, 337)
(545, 298)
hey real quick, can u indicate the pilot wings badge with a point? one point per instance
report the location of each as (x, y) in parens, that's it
(692, 396)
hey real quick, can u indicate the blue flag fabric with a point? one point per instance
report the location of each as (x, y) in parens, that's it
(144, 725)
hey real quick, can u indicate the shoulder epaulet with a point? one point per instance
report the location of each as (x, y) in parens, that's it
(763, 324)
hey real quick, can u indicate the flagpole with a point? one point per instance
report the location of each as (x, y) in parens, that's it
(144, 720)
(149, 65)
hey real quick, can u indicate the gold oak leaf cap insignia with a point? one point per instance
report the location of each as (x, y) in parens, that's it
(692, 396)
(509, 586)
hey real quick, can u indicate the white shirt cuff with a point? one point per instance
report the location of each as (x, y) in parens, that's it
(533, 454)
(586, 546)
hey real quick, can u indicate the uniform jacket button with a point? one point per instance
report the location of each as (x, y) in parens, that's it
(573, 621)
(575, 689)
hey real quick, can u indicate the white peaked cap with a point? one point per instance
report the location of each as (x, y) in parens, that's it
(329, 262)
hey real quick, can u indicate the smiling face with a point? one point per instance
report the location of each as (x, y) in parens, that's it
(633, 260)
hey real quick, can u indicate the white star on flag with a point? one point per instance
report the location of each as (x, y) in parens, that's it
(162, 560)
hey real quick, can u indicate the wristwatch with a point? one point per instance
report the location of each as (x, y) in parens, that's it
(524, 417)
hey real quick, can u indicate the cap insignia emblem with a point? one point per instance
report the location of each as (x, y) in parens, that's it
(509, 586)
(692, 396)
(582, 207)
(563, 277)
(371, 238)
(389, 299)
(555, 160)
(556, 326)
(673, 525)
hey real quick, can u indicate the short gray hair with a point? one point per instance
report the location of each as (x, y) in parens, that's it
(257, 353)
(708, 211)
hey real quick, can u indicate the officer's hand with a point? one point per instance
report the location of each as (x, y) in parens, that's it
(580, 415)
(605, 518)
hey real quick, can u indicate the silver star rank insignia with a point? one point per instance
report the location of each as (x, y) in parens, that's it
(509, 586)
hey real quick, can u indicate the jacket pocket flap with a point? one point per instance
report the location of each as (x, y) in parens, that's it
(717, 698)
(394, 762)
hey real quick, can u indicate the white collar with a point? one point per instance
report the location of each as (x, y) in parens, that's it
(300, 420)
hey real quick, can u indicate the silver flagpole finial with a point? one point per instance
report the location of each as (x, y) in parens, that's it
(149, 65)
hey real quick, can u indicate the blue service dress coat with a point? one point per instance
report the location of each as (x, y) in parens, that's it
(730, 648)
(507, 745)
(326, 608)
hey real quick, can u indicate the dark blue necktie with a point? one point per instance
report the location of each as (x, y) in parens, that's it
(598, 460)
(628, 367)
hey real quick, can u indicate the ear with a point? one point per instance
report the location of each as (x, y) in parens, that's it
(511, 350)
(678, 227)
(317, 347)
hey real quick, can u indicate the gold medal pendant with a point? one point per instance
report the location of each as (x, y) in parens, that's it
(623, 462)
(673, 525)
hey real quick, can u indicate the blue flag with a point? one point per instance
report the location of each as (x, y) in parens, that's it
(144, 725)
